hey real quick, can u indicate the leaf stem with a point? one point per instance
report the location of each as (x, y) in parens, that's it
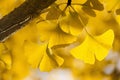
(69, 2)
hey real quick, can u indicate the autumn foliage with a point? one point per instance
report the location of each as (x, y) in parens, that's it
(84, 31)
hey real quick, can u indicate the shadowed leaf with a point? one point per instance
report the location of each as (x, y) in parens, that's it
(54, 12)
(97, 5)
(89, 11)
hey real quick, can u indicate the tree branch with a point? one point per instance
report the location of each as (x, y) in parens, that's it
(21, 16)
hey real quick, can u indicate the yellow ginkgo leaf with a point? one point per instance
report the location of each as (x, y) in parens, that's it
(38, 55)
(71, 23)
(54, 9)
(94, 47)
(51, 32)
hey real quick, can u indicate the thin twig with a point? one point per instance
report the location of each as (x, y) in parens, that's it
(20, 16)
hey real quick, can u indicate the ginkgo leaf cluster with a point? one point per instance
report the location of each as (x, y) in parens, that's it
(86, 30)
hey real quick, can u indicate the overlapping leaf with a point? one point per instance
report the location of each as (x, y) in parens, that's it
(39, 56)
(90, 5)
(51, 32)
(54, 12)
(73, 22)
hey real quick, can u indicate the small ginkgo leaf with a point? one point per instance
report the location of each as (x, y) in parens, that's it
(94, 47)
(97, 5)
(89, 11)
(71, 23)
(39, 56)
(51, 32)
(54, 12)
(94, 4)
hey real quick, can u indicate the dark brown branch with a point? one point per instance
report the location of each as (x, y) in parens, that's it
(21, 15)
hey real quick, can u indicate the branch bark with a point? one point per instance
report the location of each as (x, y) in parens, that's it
(21, 16)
